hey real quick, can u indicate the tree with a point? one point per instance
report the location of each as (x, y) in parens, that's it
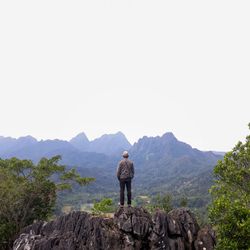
(183, 202)
(162, 202)
(230, 209)
(28, 192)
(104, 206)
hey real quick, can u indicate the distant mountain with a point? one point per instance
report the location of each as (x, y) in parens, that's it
(80, 142)
(108, 144)
(162, 163)
(166, 149)
(219, 153)
(8, 144)
(28, 147)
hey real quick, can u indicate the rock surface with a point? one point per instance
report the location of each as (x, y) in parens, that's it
(130, 229)
(206, 239)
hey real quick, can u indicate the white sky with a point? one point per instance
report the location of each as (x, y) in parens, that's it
(140, 67)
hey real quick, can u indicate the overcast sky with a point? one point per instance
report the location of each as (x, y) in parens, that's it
(140, 67)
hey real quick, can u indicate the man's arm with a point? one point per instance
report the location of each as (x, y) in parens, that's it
(118, 171)
(132, 170)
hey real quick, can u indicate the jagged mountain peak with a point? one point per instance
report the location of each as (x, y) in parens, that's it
(167, 148)
(80, 142)
(110, 144)
(80, 136)
(152, 141)
(169, 136)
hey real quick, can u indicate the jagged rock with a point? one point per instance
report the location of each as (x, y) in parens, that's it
(206, 239)
(175, 230)
(136, 225)
(134, 220)
(188, 226)
(130, 229)
(77, 230)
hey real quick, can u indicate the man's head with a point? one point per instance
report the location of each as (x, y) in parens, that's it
(125, 154)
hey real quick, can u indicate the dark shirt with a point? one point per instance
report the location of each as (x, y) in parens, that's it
(125, 169)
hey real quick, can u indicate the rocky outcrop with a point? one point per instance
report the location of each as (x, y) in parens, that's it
(130, 229)
(206, 239)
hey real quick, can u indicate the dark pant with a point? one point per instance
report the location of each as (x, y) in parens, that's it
(123, 183)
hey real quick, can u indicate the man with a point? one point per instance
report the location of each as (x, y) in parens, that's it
(125, 173)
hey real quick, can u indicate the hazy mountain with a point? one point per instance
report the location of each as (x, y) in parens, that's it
(29, 147)
(8, 144)
(163, 154)
(108, 144)
(80, 142)
(162, 163)
(219, 153)
(167, 148)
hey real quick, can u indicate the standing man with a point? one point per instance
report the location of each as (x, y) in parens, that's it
(125, 173)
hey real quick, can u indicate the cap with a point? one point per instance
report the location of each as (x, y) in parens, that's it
(125, 154)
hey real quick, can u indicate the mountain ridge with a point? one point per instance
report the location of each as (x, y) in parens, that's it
(162, 163)
(108, 144)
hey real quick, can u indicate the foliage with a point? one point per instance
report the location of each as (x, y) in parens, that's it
(183, 202)
(28, 192)
(141, 200)
(201, 215)
(162, 202)
(104, 206)
(230, 210)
